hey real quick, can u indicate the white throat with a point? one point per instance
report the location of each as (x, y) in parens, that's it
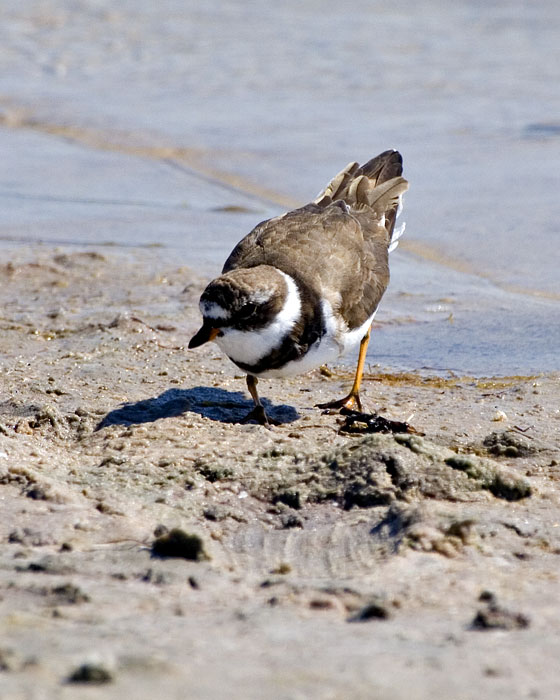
(248, 347)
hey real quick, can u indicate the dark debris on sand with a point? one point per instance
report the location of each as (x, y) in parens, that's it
(494, 617)
(178, 543)
(356, 422)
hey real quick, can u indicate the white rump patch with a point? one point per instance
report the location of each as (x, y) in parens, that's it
(209, 309)
(399, 207)
(398, 230)
(248, 347)
(397, 233)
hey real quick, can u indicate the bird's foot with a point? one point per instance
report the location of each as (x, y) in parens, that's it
(260, 416)
(351, 403)
(362, 423)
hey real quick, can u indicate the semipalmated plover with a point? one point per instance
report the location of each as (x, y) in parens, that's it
(302, 289)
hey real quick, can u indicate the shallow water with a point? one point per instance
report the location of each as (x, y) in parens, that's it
(136, 124)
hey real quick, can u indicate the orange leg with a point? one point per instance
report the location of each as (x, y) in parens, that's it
(352, 401)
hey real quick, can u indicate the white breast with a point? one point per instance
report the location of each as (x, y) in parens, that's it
(336, 342)
(249, 347)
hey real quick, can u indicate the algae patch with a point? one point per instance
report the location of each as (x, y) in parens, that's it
(490, 476)
(381, 469)
(509, 444)
(415, 527)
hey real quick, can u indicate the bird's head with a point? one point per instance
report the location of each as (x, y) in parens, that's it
(243, 300)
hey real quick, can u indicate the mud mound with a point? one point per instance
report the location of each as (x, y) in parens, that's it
(381, 469)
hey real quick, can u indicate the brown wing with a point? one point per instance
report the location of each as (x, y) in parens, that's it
(326, 249)
(338, 245)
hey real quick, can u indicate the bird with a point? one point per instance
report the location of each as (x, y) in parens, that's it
(302, 289)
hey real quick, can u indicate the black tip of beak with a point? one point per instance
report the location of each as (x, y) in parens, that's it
(205, 334)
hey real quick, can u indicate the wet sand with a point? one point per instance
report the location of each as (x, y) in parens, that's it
(328, 565)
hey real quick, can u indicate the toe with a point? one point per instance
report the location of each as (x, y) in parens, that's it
(351, 403)
(260, 416)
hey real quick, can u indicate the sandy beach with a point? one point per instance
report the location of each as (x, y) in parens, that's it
(153, 545)
(328, 565)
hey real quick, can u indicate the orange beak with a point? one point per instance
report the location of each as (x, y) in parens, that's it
(204, 335)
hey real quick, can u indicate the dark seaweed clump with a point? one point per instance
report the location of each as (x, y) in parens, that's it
(178, 543)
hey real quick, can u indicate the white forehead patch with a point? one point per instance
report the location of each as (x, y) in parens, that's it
(209, 309)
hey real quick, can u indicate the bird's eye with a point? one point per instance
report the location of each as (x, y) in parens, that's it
(247, 310)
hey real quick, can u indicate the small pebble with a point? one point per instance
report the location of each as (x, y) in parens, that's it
(374, 610)
(177, 543)
(90, 673)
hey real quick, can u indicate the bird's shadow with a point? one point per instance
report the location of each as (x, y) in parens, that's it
(217, 404)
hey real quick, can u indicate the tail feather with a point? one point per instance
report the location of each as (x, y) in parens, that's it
(385, 166)
(384, 198)
(377, 185)
(337, 186)
(358, 193)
